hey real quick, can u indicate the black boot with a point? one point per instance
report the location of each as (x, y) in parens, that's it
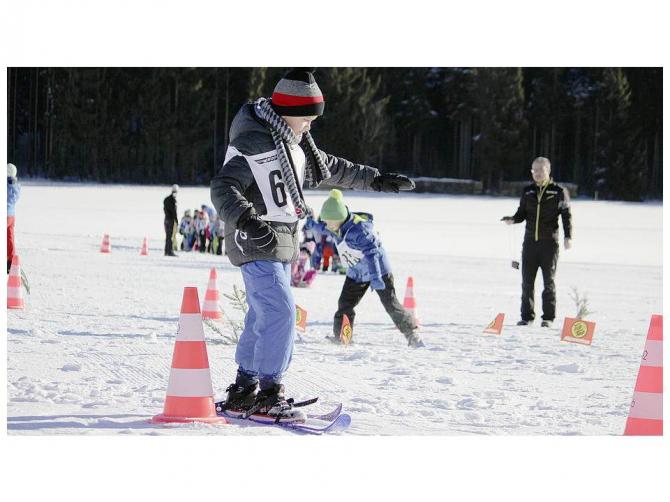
(240, 398)
(272, 403)
(414, 340)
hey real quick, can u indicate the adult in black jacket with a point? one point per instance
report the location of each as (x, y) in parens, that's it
(171, 222)
(541, 204)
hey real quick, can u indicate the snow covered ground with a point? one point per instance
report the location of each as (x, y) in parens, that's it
(91, 352)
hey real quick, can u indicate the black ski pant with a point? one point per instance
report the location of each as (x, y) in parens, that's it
(169, 228)
(541, 254)
(351, 295)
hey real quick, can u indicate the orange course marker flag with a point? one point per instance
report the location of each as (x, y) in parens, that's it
(645, 417)
(495, 326)
(346, 332)
(578, 331)
(300, 318)
(189, 396)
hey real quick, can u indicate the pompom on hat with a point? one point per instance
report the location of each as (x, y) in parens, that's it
(11, 171)
(334, 209)
(298, 95)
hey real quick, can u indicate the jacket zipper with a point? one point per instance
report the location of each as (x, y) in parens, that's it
(537, 215)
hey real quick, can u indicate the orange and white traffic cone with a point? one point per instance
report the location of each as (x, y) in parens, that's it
(496, 326)
(189, 393)
(105, 247)
(410, 302)
(145, 248)
(14, 287)
(646, 410)
(210, 307)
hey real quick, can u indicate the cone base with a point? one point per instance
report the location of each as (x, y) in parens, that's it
(105, 252)
(15, 303)
(165, 419)
(643, 427)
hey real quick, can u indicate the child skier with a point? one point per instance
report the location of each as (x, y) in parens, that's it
(361, 250)
(302, 275)
(258, 194)
(186, 229)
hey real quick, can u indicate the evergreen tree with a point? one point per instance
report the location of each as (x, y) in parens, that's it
(356, 125)
(498, 96)
(620, 165)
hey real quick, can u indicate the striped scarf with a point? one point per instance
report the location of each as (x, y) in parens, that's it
(282, 134)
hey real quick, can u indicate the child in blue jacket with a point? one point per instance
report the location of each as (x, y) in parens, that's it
(362, 252)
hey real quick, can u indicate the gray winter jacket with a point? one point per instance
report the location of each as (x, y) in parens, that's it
(251, 177)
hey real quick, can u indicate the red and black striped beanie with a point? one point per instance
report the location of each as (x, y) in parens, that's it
(297, 95)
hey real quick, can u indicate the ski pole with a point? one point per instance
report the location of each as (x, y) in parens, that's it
(515, 263)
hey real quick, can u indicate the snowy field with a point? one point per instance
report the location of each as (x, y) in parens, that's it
(91, 352)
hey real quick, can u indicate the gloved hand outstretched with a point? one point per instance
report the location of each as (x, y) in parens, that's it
(377, 284)
(509, 220)
(262, 235)
(391, 182)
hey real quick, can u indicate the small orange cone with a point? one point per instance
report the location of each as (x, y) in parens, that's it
(410, 302)
(189, 393)
(346, 332)
(578, 331)
(496, 326)
(210, 307)
(646, 410)
(14, 286)
(300, 318)
(145, 248)
(105, 247)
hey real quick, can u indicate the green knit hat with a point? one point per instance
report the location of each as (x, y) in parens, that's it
(334, 208)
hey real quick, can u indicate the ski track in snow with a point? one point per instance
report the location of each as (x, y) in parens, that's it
(91, 352)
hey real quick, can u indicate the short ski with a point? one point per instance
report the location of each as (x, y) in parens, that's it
(331, 415)
(340, 423)
(312, 426)
(220, 405)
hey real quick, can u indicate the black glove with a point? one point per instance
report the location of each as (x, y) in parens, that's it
(391, 182)
(258, 232)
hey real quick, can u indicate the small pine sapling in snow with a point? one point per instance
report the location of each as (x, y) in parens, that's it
(239, 302)
(581, 303)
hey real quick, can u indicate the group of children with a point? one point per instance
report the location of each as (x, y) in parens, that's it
(318, 251)
(202, 230)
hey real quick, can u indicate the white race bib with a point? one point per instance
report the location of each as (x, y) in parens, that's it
(349, 255)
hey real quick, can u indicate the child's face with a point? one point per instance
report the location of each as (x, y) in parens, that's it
(333, 225)
(300, 125)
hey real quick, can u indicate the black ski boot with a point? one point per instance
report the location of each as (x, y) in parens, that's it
(240, 398)
(414, 340)
(272, 404)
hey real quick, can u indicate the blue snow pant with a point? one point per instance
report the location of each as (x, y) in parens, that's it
(265, 347)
